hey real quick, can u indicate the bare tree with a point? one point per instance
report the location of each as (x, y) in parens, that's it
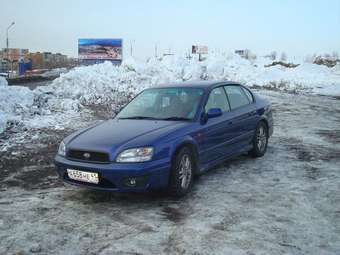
(310, 58)
(327, 55)
(273, 55)
(283, 56)
(335, 55)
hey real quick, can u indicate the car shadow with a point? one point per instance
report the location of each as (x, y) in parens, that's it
(88, 197)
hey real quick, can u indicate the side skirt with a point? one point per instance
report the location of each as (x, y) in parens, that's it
(206, 167)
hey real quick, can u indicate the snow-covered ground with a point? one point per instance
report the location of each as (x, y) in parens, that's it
(106, 84)
(287, 202)
(284, 203)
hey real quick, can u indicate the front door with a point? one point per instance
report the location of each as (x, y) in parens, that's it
(216, 131)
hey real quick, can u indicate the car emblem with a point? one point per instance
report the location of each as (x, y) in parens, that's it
(87, 155)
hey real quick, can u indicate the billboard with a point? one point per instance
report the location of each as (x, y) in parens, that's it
(14, 55)
(199, 49)
(99, 50)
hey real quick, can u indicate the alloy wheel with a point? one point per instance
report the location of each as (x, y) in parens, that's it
(261, 138)
(185, 171)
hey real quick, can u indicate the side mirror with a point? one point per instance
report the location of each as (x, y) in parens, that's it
(214, 112)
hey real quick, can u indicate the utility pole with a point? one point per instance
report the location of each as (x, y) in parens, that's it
(156, 50)
(7, 42)
(131, 47)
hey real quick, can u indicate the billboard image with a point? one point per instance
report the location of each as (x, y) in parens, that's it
(100, 49)
(13, 54)
(199, 49)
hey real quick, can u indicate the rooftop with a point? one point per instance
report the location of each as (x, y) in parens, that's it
(195, 84)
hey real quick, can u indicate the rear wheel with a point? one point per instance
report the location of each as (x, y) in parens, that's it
(260, 140)
(182, 173)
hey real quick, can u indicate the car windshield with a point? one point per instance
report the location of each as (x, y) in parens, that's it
(164, 104)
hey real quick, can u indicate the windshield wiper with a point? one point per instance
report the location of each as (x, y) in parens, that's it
(176, 118)
(138, 118)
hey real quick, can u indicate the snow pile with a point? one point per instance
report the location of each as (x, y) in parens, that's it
(110, 85)
(3, 82)
(309, 77)
(3, 119)
(16, 103)
(3, 122)
(95, 84)
(106, 83)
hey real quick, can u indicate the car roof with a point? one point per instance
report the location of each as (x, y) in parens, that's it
(195, 84)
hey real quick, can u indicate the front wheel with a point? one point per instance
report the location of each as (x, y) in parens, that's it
(182, 173)
(260, 140)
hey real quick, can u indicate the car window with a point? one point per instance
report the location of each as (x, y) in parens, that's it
(163, 103)
(217, 99)
(248, 94)
(236, 96)
(149, 100)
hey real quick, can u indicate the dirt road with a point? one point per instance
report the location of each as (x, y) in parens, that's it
(287, 202)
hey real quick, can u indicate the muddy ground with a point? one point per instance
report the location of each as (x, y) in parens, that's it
(287, 202)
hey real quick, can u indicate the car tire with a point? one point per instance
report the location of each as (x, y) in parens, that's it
(260, 140)
(182, 173)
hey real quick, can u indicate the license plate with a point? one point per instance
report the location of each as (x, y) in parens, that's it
(83, 176)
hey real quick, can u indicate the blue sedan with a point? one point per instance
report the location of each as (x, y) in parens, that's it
(165, 136)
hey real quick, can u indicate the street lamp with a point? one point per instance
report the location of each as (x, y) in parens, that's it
(7, 41)
(156, 49)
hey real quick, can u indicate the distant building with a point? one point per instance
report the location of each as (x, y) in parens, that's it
(11, 58)
(48, 60)
(2, 63)
(37, 60)
(243, 53)
(14, 54)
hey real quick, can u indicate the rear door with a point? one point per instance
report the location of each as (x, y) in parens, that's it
(242, 115)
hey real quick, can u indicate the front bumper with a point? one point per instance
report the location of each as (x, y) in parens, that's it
(113, 176)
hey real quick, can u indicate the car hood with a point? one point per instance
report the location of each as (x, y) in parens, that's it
(109, 135)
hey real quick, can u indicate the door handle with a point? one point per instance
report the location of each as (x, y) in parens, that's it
(252, 113)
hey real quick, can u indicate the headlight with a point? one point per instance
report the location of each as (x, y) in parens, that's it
(62, 149)
(136, 155)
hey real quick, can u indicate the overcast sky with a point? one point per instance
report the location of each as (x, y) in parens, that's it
(297, 27)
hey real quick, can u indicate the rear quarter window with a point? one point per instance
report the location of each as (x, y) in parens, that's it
(248, 94)
(236, 96)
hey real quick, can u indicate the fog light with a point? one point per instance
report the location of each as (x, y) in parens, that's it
(131, 182)
(134, 182)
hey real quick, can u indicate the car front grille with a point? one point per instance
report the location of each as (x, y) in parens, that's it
(91, 156)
